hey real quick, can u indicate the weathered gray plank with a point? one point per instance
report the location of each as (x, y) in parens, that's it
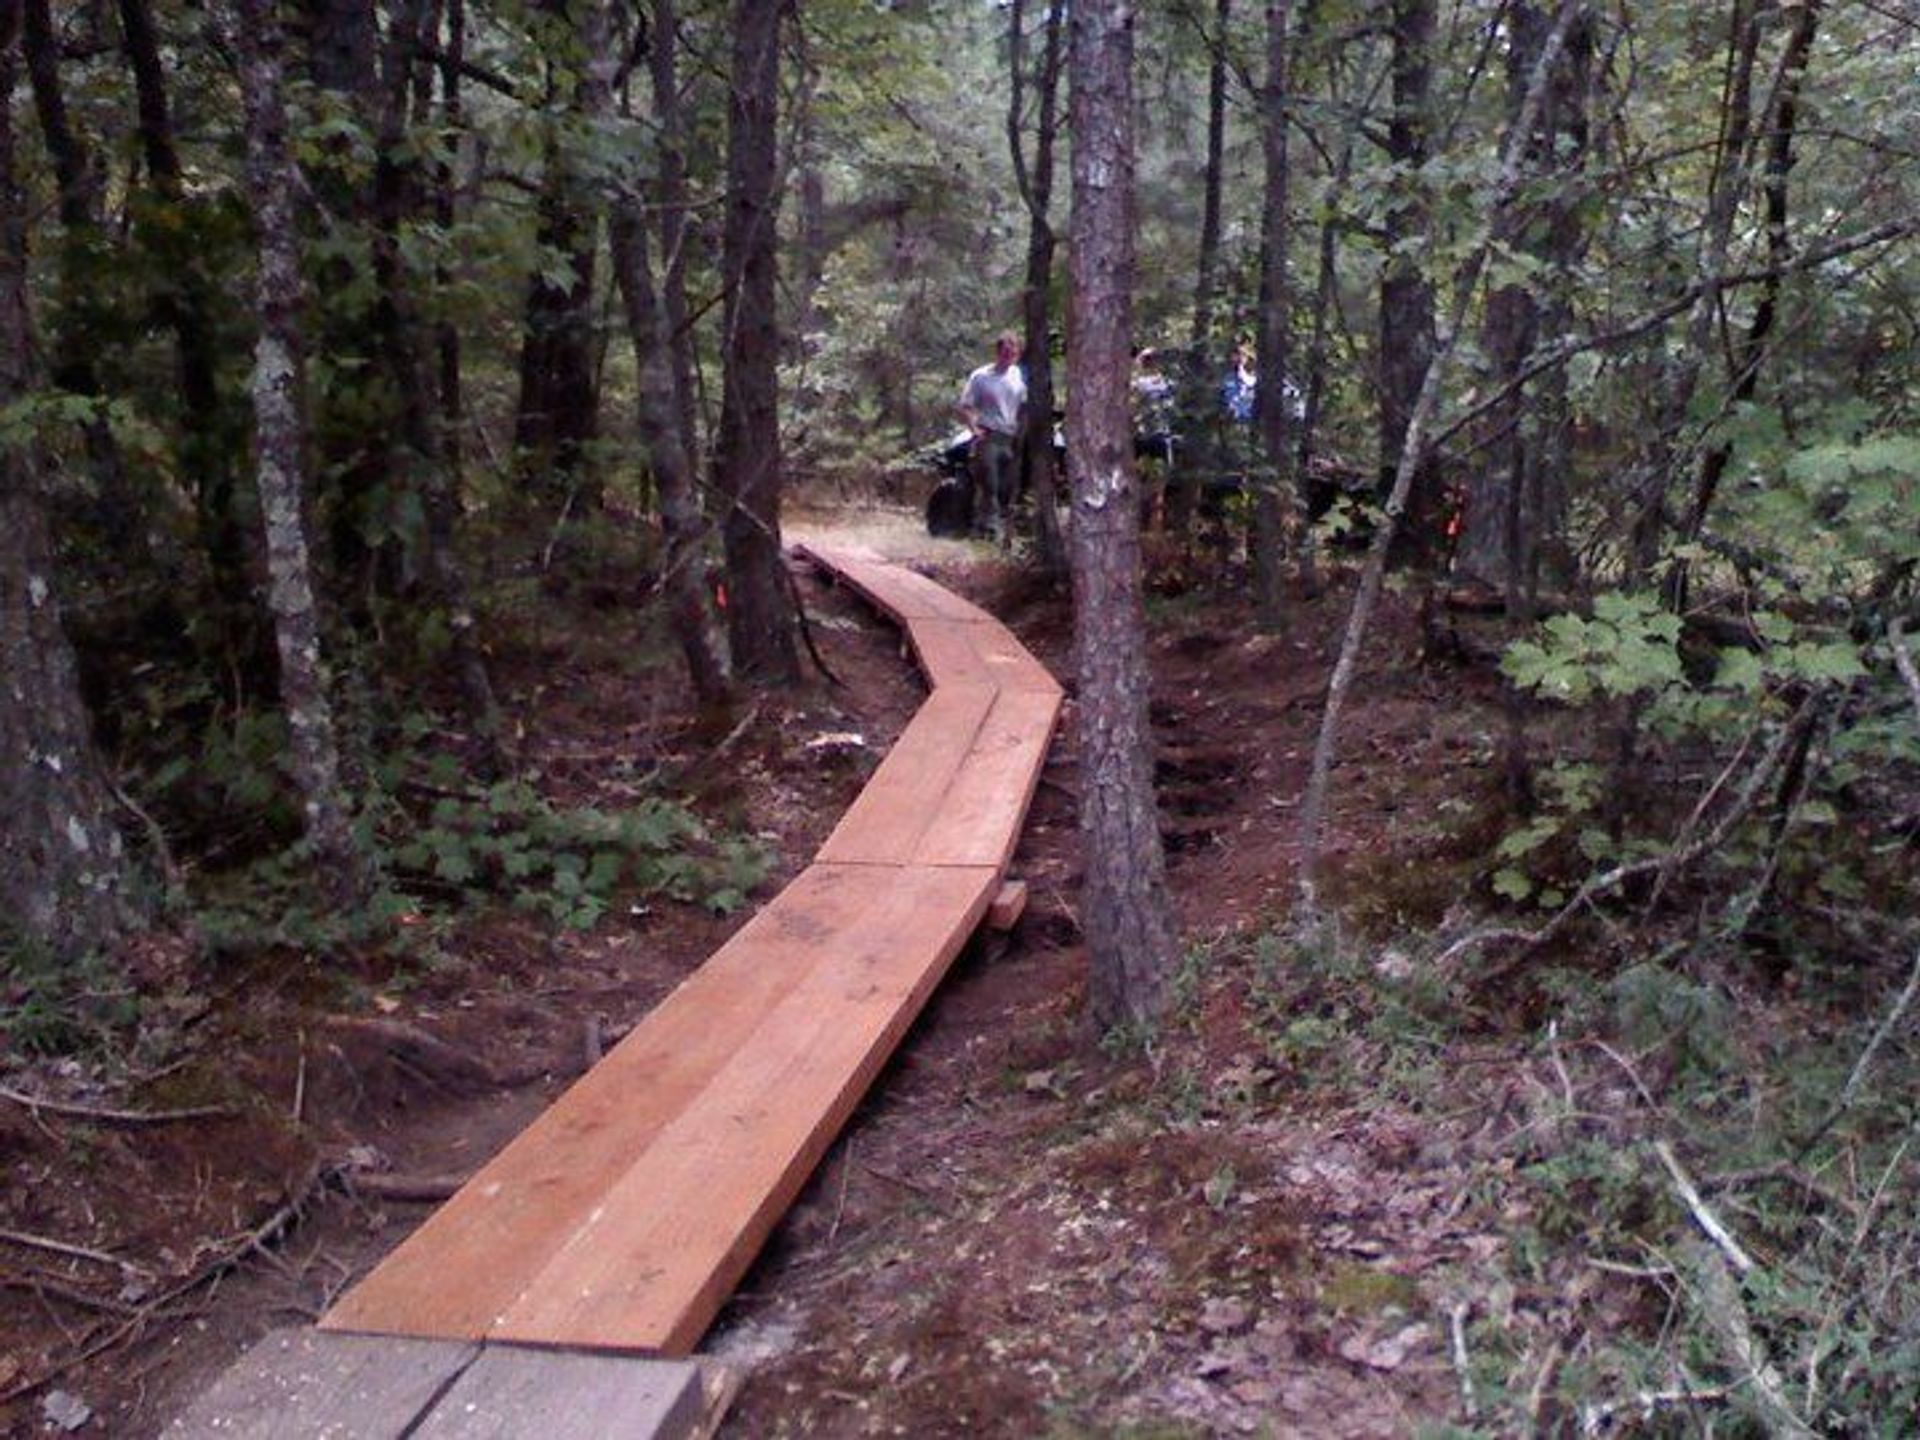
(324, 1387)
(513, 1393)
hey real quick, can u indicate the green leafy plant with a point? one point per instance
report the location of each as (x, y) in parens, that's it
(569, 865)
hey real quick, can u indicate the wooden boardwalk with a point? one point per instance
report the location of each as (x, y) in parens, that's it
(623, 1217)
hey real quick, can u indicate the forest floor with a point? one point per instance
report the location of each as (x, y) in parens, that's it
(1295, 1211)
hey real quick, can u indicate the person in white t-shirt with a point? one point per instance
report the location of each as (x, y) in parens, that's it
(993, 403)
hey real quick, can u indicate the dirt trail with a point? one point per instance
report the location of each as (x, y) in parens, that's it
(1020, 1236)
(1017, 1235)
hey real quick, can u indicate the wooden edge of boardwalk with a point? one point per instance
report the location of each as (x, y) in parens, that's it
(615, 1226)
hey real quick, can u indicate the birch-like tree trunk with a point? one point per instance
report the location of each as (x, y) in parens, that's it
(279, 459)
(1128, 921)
(64, 873)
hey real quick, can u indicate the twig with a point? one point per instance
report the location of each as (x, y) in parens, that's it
(300, 1082)
(1560, 1065)
(47, 1288)
(1703, 1213)
(1462, 1362)
(734, 734)
(1531, 941)
(1596, 1418)
(109, 1116)
(1655, 1273)
(61, 1247)
(1537, 1393)
(1726, 1314)
(1903, 662)
(1851, 1090)
(840, 1206)
(1614, 1055)
(253, 1242)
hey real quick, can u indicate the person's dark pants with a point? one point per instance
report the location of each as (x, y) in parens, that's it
(995, 473)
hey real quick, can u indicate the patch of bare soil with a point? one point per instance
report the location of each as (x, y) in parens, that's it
(1249, 1228)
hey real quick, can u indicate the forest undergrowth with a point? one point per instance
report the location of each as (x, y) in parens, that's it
(1610, 1147)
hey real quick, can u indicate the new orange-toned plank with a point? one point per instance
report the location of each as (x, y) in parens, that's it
(478, 1253)
(662, 1249)
(884, 825)
(965, 652)
(902, 593)
(979, 820)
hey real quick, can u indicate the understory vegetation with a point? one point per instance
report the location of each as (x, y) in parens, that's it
(393, 391)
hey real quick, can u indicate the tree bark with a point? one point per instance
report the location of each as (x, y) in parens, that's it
(658, 418)
(85, 262)
(64, 873)
(1197, 378)
(212, 427)
(1406, 344)
(420, 460)
(1129, 928)
(1276, 491)
(279, 444)
(675, 234)
(760, 622)
(1036, 188)
(1777, 167)
(1503, 217)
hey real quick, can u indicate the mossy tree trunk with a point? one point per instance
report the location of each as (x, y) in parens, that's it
(279, 458)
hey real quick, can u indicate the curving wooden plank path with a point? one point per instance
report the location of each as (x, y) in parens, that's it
(623, 1217)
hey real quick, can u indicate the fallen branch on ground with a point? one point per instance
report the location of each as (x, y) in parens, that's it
(1702, 1213)
(62, 1247)
(236, 1253)
(107, 1115)
(407, 1189)
(1532, 941)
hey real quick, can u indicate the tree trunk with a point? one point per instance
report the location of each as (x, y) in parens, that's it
(64, 874)
(445, 213)
(212, 427)
(1725, 189)
(1406, 294)
(557, 416)
(1515, 507)
(313, 750)
(1129, 927)
(1753, 351)
(85, 263)
(1036, 187)
(1275, 493)
(1197, 376)
(675, 234)
(760, 623)
(419, 463)
(658, 419)
(1500, 230)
